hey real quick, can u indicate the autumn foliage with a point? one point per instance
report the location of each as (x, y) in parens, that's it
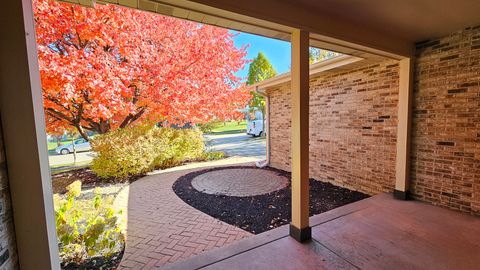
(108, 67)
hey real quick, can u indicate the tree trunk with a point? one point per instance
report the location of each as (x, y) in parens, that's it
(59, 140)
(131, 118)
(82, 132)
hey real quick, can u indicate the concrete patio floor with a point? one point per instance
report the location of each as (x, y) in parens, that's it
(375, 233)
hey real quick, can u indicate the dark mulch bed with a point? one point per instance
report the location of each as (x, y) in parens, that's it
(109, 263)
(261, 213)
(88, 178)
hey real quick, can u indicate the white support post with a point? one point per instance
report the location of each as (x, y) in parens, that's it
(299, 228)
(25, 142)
(403, 132)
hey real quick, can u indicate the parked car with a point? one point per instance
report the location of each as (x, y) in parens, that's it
(80, 145)
(255, 123)
(187, 125)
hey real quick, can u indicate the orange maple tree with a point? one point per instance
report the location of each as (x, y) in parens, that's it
(107, 67)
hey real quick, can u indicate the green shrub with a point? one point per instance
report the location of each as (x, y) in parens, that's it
(83, 233)
(183, 145)
(216, 155)
(140, 149)
(208, 127)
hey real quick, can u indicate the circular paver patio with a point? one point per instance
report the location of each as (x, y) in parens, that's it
(239, 182)
(161, 228)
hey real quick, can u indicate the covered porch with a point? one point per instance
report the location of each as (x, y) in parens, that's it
(375, 233)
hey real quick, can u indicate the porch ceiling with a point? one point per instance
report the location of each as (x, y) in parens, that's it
(363, 28)
(391, 26)
(190, 10)
(413, 20)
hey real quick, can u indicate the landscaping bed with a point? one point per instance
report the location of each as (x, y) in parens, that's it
(91, 187)
(88, 178)
(257, 214)
(104, 263)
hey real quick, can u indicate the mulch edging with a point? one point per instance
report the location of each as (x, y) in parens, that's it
(257, 214)
(104, 263)
(88, 178)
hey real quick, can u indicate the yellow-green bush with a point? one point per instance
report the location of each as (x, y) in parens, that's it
(84, 234)
(140, 149)
(213, 155)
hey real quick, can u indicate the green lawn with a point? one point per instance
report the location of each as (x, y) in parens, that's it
(59, 168)
(230, 127)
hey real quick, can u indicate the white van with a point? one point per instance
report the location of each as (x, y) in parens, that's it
(255, 123)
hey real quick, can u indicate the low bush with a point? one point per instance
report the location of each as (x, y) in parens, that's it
(215, 155)
(208, 127)
(140, 149)
(84, 234)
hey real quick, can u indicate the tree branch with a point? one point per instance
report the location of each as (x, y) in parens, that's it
(132, 117)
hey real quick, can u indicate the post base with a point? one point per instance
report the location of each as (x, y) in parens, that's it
(301, 235)
(401, 195)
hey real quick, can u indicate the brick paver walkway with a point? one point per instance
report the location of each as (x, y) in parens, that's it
(162, 229)
(239, 182)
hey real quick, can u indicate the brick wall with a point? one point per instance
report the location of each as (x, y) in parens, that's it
(353, 119)
(8, 257)
(445, 167)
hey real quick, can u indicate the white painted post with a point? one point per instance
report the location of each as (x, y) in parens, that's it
(403, 130)
(25, 141)
(299, 228)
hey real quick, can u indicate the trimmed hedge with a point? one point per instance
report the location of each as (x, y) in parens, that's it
(140, 149)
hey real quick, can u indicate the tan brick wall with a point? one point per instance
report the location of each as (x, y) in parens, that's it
(8, 253)
(353, 119)
(446, 123)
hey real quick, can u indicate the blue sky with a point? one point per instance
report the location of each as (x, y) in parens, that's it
(277, 51)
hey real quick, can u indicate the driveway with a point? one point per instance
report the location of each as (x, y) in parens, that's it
(239, 144)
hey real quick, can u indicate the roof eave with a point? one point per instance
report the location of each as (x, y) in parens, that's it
(316, 68)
